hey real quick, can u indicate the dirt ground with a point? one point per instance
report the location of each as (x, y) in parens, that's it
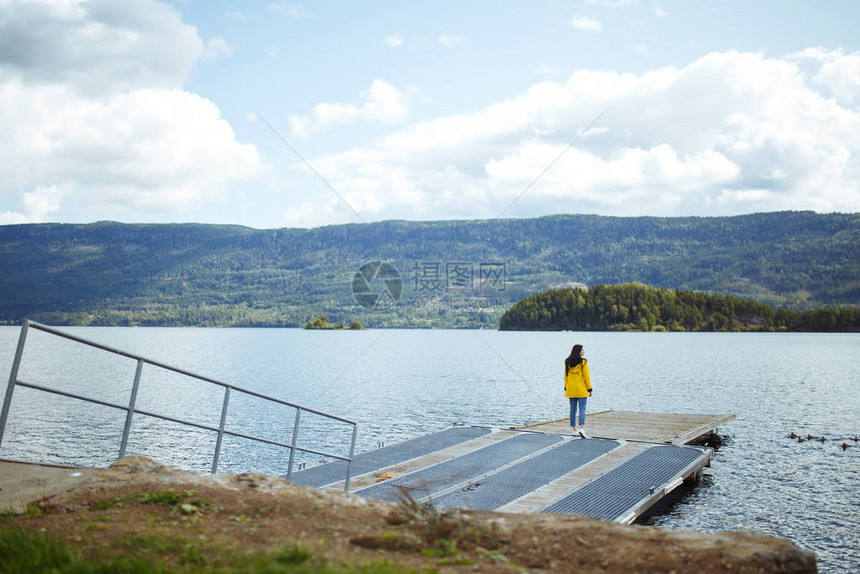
(183, 516)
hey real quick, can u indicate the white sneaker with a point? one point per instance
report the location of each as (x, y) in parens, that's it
(582, 433)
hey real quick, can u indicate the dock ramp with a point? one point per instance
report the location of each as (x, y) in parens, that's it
(539, 468)
(332, 473)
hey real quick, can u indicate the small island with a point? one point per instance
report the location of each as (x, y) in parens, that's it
(637, 307)
(323, 323)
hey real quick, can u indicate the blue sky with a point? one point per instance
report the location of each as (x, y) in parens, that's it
(273, 114)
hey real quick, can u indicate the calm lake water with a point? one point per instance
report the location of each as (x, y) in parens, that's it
(399, 384)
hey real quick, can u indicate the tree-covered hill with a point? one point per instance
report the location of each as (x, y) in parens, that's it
(636, 307)
(454, 273)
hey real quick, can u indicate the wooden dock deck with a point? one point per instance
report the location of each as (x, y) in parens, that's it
(630, 461)
(674, 428)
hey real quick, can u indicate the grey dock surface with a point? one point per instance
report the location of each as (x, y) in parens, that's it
(630, 463)
(335, 472)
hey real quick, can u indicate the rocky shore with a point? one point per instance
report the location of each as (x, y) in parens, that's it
(218, 516)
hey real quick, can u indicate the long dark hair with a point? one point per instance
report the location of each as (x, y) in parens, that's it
(574, 359)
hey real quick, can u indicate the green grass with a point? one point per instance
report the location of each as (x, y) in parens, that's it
(34, 553)
(295, 554)
(32, 510)
(165, 498)
(23, 552)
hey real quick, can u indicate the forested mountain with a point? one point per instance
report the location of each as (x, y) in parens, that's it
(636, 307)
(453, 273)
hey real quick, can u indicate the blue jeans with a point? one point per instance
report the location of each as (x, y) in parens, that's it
(574, 404)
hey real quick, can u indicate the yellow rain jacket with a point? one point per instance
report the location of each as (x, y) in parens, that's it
(577, 381)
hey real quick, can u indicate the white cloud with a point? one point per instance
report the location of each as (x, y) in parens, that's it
(294, 11)
(585, 23)
(617, 183)
(729, 133)
(160, 149)
(450, 40)
(93, 111)
(97, 47)
(394, 41)
(216, 48)
(641, 50)
(548, 69)
(838, 72)
(37, 206)
(309, 214)
(383, 102)
(239, 16)
(660, 12)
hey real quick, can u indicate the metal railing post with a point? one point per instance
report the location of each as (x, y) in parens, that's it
(351, 457)
(130, 412)
(131, 408)
(221, 430)
(13, 378)
(293, 444)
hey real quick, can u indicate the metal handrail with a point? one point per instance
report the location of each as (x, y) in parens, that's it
(131, 409)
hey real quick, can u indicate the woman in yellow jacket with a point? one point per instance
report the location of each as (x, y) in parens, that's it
(577, 387)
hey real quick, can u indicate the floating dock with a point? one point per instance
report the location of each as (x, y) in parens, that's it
(630, 461)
